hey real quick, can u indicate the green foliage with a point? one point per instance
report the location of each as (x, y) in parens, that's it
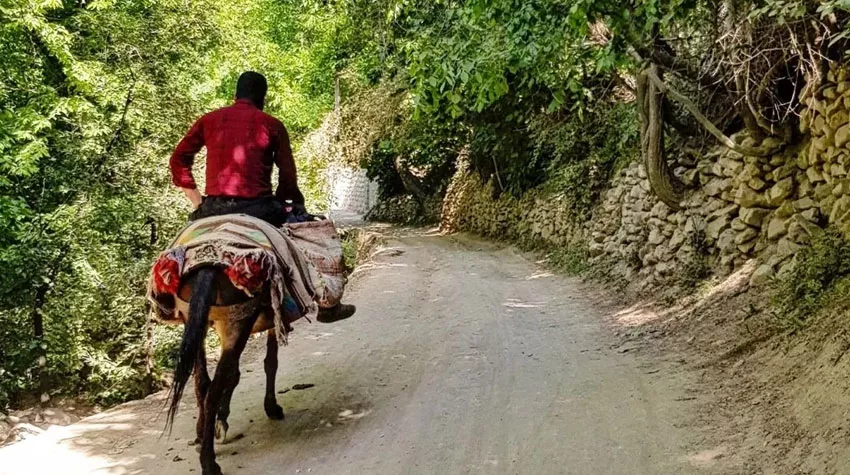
(696, 269)
(571, 259)
(93, 98)
(818, 280)
(582, 153)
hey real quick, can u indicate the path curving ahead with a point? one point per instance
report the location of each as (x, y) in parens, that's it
(464, 357)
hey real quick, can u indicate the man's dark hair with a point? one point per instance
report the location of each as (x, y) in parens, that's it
(252, 86)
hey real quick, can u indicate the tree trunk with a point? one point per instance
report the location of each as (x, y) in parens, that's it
(650, 103)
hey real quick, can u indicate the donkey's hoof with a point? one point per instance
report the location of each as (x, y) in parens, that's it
(274, 411)
(221, 431)
(211, 469)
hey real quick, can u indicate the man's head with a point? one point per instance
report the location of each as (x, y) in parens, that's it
(252, 86)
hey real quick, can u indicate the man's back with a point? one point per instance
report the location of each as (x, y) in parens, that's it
(243, 144)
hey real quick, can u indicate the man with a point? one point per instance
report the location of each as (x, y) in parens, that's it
(243, 145)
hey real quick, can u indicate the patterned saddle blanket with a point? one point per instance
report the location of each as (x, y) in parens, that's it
(301, 262)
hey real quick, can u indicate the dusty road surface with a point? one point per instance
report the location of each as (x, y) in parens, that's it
(464, 357)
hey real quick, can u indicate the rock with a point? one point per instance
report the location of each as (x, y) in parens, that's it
(840, 209)
(771, 143)
(812, 215)
(804, 187)
(786, 210)
(727, 241)
(829, 93)
(717, 226)
(690, 177)
(747, 247)
(756, 184)
(804, 203)
(665, 268)
(746, 235)
(655, 237)
(823, 190)
(730, 167)
(717, 186)
(837, 117)
(784, 172)
(753, 216)
(747, 198)
(729, 210)
(841, 188)
(763, 275)
(786, 248)
(802, 161)
(777, 228)
(660, 210)
(837, 170)
(781, 190)
(842, 135)
(739, 225)
(785, 270)
(825, 205)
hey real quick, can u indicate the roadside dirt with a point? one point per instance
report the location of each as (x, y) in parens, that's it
(776, 397)
(464, 357)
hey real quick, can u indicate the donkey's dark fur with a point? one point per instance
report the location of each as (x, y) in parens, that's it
(203, 289)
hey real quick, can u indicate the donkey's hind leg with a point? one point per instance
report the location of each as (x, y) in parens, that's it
(221, 425)
(202, 386)
(234, 336)
(273, 410)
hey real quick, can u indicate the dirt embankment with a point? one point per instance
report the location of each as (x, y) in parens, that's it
(779, 398)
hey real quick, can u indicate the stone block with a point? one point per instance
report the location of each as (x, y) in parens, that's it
(842, 135)
(786, 210)
(717, 226)
(746, 235)
(717, 186)
(748, 198)
(840, 209)
(726, 242)
(804, 203)
(753, 216)
(779, 192)
(777, 228)
(763, 275)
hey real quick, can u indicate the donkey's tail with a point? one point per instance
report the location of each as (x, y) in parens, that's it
(203, 296)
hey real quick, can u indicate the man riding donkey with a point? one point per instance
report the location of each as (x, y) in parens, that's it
(243, 144)
(249, 261)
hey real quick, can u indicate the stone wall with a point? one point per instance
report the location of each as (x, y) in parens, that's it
(350, 189)
(737, 208)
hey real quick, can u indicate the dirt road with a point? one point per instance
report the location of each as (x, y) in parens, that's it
(464, 357)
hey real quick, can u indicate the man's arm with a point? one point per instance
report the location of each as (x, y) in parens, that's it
(182, 160)
(287, 185)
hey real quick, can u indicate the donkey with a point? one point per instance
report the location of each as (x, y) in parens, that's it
(212, 299)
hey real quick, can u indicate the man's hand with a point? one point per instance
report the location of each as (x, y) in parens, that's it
(194, 196)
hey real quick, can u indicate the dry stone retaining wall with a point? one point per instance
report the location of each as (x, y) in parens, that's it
(738, 208)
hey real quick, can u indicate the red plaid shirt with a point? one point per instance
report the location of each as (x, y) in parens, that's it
(243, 144)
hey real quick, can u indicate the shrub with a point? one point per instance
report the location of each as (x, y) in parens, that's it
(820, 272)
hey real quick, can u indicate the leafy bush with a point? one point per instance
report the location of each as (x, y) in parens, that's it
(573, 259)
(697, 268)
(94, 97)
(820, 274)
(582, 153)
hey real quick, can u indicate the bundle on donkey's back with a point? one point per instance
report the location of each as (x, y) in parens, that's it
(234, 268)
